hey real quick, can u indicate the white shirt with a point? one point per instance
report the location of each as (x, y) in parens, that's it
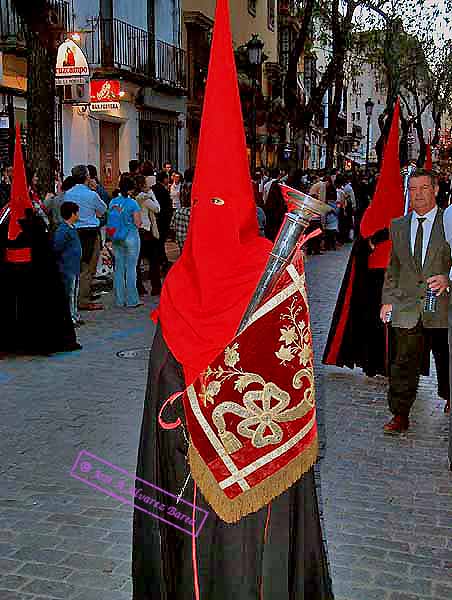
(267, 187)
(149, 208)
(175, 189)
(427, 226)
(350, 194)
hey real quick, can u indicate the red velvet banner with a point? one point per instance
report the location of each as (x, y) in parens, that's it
(251, 415)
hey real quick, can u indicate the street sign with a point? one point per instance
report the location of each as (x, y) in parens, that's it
(72, 66)
(105, 94)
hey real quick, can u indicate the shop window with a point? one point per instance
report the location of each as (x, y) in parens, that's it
(158, 138)
(252, 7)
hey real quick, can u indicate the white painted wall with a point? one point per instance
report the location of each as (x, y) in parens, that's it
(128, 136)
(134, 12)
(85, 10)
(130, 11)
(167, 21)
(81, 136)
(80, 139)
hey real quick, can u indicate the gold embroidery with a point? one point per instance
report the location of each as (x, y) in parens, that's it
(258, 417)
(297, 341)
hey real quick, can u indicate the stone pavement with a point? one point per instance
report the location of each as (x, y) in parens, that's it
(387, 502)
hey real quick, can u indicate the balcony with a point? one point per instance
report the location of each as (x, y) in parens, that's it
(170, 66)
(115, 47)
(12, 35)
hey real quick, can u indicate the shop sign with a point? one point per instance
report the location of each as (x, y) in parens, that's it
(105, 94)
(72, 67)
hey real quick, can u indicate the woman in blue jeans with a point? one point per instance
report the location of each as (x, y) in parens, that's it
(127, 251)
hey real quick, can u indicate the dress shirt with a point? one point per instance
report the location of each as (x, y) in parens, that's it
(427, 225)
(89, 203)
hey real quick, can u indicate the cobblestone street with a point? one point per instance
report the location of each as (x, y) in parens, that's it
(387, 501)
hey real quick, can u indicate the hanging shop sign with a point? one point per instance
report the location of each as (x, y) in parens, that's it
(105, 94)
(72, 67)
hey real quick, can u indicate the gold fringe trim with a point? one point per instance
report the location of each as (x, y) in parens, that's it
(249, 501)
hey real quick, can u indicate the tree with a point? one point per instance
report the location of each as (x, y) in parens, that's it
(336, 24)
(43, 29)
(415, 65)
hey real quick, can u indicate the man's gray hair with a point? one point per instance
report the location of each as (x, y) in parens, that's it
(420, 172)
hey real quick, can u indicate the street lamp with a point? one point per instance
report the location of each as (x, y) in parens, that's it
(255, 55)
(369, 109)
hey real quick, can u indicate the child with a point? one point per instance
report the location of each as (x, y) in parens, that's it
(68, 251)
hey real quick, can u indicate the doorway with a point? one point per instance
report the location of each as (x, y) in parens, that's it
(109, 155)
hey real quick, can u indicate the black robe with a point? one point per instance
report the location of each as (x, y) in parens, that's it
(233, 561)
(357, 336)
(34, 311)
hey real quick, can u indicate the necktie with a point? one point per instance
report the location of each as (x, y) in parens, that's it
(419, 243)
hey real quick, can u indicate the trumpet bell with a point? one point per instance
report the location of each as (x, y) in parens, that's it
(303, 205)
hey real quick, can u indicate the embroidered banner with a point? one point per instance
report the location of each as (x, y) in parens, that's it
(251, 415)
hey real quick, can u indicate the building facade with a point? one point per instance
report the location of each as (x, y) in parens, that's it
(247, 18)
(137, 44)
(370, 84)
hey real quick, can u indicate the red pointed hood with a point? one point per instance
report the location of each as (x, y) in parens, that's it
(20, 198)
(388, 201)
(428, 158)
(208, 289)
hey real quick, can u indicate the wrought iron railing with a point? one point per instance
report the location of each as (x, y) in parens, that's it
(170, 65)
(10, 23)
(115, 44)
(11, 27)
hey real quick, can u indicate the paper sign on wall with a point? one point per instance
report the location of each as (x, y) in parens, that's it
(105, 94)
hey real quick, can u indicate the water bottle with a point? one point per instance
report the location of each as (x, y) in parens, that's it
(431, 301)
(388, 317)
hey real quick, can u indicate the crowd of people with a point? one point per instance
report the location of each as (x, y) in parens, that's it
(347, 193)
(155, 207)
(76, 217)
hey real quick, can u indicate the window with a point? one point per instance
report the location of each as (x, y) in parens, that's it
(284, 49)
(271, 14)
(252, 7)
(310, 73)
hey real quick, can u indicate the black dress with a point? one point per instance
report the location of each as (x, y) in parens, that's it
(233, 561)
(34, 311)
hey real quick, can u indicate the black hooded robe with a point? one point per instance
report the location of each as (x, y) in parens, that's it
(34, 311)
(233, 561)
